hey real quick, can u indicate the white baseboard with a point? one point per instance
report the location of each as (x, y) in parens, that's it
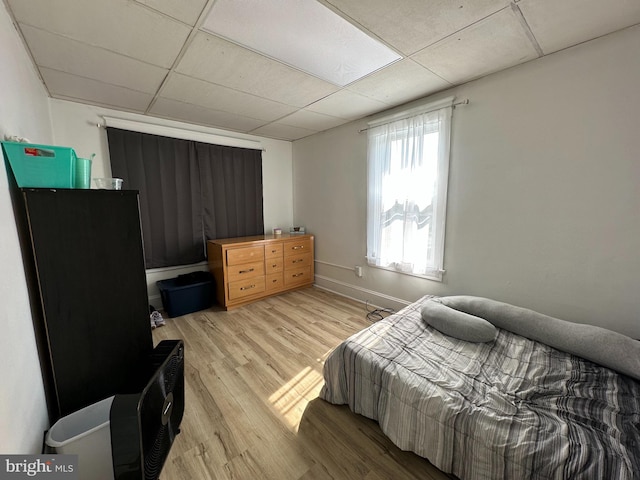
(156, 301)
(376, 299)
(354, 292)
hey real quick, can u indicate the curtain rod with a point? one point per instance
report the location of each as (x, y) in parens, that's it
(181, 133)
(461, 102)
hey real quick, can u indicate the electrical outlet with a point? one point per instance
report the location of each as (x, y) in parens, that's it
(358, 270)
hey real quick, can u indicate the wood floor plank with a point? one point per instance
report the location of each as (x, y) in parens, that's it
(252, 379)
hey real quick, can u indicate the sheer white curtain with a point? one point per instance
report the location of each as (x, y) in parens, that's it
(408, 164)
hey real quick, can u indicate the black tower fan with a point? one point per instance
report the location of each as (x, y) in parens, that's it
(144, 425)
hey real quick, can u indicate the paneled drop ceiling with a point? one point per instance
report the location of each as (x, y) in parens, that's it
(154, 57)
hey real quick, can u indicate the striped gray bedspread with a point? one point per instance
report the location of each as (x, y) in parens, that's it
(508, 409)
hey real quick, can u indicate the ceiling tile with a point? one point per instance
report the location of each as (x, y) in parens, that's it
(63, 54)
(208, 95)
(311, 120)
(557, 25)
(67, 86)
(495, 43)
(411, 25)
(217, 61)
(167, 108)
(283, 132)
(306, 35)
(347, 105)
(187, 11)
(399, 83)
(122, 26)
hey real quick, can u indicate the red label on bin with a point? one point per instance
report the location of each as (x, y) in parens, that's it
(38, 152)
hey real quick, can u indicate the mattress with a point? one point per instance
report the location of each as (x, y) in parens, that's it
(508, 409)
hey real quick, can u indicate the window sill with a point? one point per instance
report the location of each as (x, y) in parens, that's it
(176, 267)
(435, 276)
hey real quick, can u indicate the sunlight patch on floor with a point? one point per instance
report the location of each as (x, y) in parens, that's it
(291, 399)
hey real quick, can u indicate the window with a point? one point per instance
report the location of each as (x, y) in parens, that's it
(408, 167)
(190, 192)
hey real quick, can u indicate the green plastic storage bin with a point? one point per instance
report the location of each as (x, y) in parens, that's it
(41, 166)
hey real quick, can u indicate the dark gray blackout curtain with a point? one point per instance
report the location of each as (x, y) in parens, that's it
(231, 181)
(189, 192)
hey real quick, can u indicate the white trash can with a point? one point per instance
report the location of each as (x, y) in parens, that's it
(86, 433)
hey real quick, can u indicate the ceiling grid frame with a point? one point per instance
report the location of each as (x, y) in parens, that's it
(549, 27)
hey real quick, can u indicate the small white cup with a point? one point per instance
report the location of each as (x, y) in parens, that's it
(108, 183)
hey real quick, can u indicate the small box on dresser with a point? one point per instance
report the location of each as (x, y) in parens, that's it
(250, 268)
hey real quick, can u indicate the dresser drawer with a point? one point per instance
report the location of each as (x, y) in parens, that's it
(238, 256)
(275, 281)
(273, 250)
(247, 270)
(297, 260)
(296, 246)
(298, 276)
(273, 265)
(246, 287)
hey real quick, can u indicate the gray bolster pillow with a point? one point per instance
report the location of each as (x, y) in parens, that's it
(599, 345)
(457, 324)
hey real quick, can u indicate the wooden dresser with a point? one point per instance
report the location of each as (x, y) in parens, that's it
(250, 268)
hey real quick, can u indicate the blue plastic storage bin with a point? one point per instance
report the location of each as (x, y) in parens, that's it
(180, 298)
(41, 166)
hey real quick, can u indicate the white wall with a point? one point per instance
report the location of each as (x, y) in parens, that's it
(543, 205)
(74, 125)
(24, 111)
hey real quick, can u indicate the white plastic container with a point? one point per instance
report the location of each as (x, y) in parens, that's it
(108, 183)
(86, 433)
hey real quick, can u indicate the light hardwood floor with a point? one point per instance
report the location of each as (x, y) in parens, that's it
(252, 379)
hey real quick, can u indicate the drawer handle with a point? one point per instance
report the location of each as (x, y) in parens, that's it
(274, 251)
(297, 247)
(247, 271)
(298, 260)
(248, 288)
(297, 275)
(274, 280)
(274, 265)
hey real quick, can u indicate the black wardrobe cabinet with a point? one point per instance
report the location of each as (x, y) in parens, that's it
(85, 267)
